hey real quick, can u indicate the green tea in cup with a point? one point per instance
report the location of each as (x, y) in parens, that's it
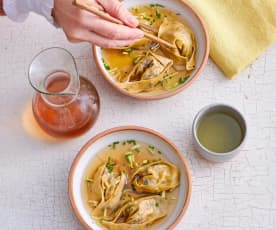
(219, 132)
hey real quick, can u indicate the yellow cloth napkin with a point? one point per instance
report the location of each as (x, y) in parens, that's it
(239, 30)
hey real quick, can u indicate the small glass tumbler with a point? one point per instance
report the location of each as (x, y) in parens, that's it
(64, 104)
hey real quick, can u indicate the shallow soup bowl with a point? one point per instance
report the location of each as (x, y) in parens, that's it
(193, 21)
(86, 157)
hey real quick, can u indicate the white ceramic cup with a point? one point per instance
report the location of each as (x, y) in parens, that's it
(202, 150)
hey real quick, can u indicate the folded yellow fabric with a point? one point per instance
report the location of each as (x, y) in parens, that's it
(239, 30)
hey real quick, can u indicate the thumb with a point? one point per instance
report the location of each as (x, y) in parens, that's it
(118, 10)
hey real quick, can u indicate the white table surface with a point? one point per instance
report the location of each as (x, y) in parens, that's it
(240, 194)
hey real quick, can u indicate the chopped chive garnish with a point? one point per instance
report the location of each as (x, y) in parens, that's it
(146, 18)
(137, 59)
(155, 160)
(107, 67)
(136, 148)
(181, 80)
(156, 5)
(150, 20)
(113, 145)
(158, 15)
(127, 51)
(156, 204)
(150, 148)
(169, 76)
(145, 162)
(109, 165)
(131, 142)
(159, 152)
(130, 158)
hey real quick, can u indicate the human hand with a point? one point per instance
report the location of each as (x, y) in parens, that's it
(80, 25)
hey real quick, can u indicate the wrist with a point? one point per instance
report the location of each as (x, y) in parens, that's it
(2, 12)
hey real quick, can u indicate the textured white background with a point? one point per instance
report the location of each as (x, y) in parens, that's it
(240, 194)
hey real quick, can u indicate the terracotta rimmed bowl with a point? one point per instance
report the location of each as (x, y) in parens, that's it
(194, 21)
(85, 157)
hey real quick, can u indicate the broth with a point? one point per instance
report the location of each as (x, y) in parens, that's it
(115, 157)
(219, 132)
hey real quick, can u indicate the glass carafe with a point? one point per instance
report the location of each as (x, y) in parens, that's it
(64, 103)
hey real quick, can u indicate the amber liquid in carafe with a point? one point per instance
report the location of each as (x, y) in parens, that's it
(66, 116)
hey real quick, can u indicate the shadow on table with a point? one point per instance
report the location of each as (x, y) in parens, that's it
(31, 127)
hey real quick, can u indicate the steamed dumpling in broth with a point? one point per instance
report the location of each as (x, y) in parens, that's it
(182, 38)
(148, 72)
(156, 177)
(128, 68)
(139, 213)
(151, 66)
(113, 191)
(110, 186)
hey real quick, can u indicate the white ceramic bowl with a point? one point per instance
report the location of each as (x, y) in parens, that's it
(202, 150)
(194, 21)
(100, 141)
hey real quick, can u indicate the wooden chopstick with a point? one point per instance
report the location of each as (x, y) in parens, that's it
(86, 5)
(147, 27)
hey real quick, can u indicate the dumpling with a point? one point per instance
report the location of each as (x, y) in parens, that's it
(148, 72)
(138, 213)
(142, 44)
(96, 190)
(156, 177)
(109, 186)
(146, 210)
(183, 39)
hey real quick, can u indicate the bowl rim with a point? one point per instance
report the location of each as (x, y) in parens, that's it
(204, 111)
(179, 89)
(126, 128)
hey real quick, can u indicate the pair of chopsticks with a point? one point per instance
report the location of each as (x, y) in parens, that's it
(86, 5)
